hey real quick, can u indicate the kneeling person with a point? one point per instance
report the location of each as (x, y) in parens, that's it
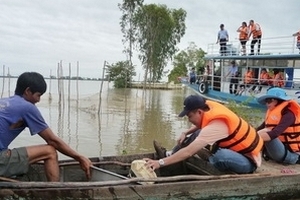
(238, 144)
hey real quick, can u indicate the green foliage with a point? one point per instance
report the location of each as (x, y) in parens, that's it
(159, 29)
(253, 116)
(128, 28)
(188, 58)
(121, 73)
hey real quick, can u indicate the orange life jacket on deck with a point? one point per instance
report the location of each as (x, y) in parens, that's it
(278, 80)
(242, 137)
(291, 136)
(248, 77)
(264, 78)
(243, 33)
(256, 30)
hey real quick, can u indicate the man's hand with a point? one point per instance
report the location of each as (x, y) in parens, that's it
(181, 138)
(85, 165)
(151, 164)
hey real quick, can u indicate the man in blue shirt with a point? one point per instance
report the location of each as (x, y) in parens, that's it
(18, 112)
(192, 76)
(234, 78)
(222, 39)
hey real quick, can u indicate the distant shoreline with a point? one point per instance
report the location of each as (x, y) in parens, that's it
(64, 78)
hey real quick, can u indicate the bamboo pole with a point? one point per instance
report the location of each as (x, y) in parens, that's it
(69, 84)
(62, 85)
(3, 81)
(8, 73)
(97, 163)
(8, 179)
(101, 86)
(58, 85)
(77, 86)
(23, 185)
(50, 83)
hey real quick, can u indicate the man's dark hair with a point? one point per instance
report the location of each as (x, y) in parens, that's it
(33, 80)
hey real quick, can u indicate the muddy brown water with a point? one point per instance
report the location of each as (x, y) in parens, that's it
(127, 122)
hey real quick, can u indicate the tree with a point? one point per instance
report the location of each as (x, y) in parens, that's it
(121, 73)
(128, 29)
(191, 57)
(159, 29)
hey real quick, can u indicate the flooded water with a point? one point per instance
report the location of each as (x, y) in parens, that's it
(127, 122)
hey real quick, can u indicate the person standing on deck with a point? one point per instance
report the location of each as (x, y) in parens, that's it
(298, 39)
(207, 73)
(222, 39)
(281, 127)
(192, 76)
(234, 79)
(18, 112)
(238, 146)
(243, 37)
(256, 32)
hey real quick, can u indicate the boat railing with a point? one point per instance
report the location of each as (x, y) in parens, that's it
(269, 46)
(215, 82)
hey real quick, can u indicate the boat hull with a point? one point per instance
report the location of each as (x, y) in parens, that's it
(266, 183)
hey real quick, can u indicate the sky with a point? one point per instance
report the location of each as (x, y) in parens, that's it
(35, 35)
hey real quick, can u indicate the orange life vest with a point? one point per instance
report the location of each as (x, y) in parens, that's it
(249, 77)
(243, 33)
(278, 80)
(242, 137)
(256, 30)
(291, 136)
(264, 78)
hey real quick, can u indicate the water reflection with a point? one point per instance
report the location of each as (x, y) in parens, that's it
(128, 120)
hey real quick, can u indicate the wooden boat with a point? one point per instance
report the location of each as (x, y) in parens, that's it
(191, 179)
(276, 53)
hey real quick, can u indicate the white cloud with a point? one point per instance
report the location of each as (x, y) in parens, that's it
(35, 35)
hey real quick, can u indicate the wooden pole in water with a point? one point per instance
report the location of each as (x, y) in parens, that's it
(101, 86)
(3, 79)
(77, 86)
(58, 85)
(8, 73)
(69, 84)
(62, 85)
(50, 81)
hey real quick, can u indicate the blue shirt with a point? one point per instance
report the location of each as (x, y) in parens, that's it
(223, 34)
(192, 74)
(233, 70)
(15, 115)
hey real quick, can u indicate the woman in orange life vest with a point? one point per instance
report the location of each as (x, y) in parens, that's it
(264, 79)
(243, 30)
(298, 39)
(248, 80)
(238, 144)
(278, 79)
(281, 128)
(255, 31)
